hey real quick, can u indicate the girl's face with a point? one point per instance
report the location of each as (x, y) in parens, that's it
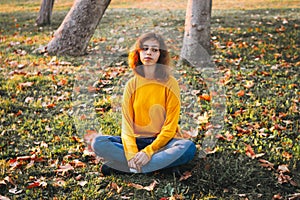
(149, 53)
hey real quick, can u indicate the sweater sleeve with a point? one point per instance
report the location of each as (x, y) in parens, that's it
(170, 125)
(127, 134)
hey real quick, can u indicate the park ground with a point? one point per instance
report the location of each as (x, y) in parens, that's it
(255, 48)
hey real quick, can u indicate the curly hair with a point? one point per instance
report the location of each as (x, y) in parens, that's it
(162, 70)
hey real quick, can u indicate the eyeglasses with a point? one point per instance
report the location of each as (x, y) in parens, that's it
(153, 49)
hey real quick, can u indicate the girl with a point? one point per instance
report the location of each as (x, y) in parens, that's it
(150, 138)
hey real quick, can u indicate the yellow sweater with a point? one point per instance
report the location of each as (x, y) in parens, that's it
(149, 109)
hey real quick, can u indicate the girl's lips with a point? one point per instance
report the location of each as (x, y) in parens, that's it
(148, 58)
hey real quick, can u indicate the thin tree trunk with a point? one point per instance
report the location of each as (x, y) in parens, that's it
(196, 43)
(75, 32)
(45, 13)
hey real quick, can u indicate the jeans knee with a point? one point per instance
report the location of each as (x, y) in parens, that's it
(97, 142)
(191, 149)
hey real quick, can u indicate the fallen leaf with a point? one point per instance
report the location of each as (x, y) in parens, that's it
(185, 175)
(249, 84)
(15, 190)
(140, 187)
(295, 196)
(25, 85)
(205, 97)
(266, 164)
(189, 133)
(277, 196)
(115, 186)
(136, 186)
(151, 186)
(50, 105)
(77, 178)
(77, 163)
(62, 82)
(33, 185)
(4, 198)
(203, 119)
(58, 182)
(241, 93)
(19, 113)
(283, 168)
(220, 137)
(64, 169)
(2, 182)
(82, 183)
(250, 152)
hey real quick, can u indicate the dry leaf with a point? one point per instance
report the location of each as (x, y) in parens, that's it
(250, 152)
(140, 187)
(82, 183)
(58, 182)
(25, 85)
(77, 163)
(4, 198)
(266, 164)
(15, 190)
(115, 186)
(295, 196)
(283, 168)
(185, 175)
(64, 169)
(136, 186)
(151, 186)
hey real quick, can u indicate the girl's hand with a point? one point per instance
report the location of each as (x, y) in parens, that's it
(141, 159)
(132, 164)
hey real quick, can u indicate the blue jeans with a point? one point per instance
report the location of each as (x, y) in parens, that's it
(175, 152)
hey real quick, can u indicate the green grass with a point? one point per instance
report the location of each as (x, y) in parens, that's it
(258, 47)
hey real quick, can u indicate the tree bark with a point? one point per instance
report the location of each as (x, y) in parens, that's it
(45, 13)
(196, 43)
(75, 32)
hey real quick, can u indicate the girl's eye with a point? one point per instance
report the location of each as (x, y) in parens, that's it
(154, 50)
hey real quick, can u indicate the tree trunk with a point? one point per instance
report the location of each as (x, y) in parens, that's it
(45, 13)
(196, 43)
(75, 32)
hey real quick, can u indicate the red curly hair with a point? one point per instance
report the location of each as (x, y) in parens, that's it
(162, 70)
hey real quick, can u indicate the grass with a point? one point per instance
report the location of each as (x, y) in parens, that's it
(60, 5)
(43, 155)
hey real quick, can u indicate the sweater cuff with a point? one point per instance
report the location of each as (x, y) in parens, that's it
(149, 151)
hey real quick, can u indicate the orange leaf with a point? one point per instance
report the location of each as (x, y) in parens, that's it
(241, 93)
(51, 105)
(62, 81)
(264, 73)
(205, 97)
(287, 155)
(18, 113)
(77, 163)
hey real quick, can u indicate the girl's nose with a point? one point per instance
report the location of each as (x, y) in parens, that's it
(149, 51)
